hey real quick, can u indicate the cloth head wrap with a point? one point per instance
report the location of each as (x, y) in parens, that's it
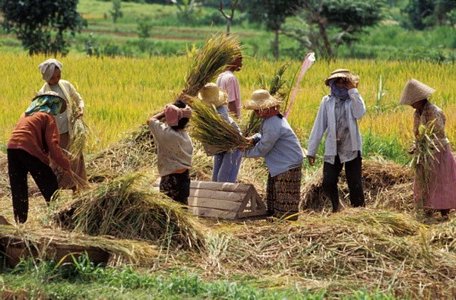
(173, 114)
(45, 103)
(339, 92)
(47, 68)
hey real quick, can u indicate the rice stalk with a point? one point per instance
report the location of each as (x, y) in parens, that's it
(427, 144)
(213, 131)
(278, 87)
(219, 51)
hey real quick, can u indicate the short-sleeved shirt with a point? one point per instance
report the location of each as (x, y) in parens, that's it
(174, 148)
(228, 83)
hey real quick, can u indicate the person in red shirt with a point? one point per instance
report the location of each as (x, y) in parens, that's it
(33, 143)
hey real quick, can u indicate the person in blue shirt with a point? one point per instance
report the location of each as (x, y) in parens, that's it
(280, 147)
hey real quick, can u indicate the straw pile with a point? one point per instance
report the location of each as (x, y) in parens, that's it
(42, 243)
(355, 249)
(126, 208)
(134, 152)
(386, 185)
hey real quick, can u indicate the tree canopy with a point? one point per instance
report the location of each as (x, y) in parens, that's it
(42, 25)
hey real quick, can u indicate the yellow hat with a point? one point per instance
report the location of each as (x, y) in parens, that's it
(342, 73)
(415, 91)
(261, 99)
(210, 94)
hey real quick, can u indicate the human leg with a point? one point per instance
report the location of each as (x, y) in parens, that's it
(229, 166)
(17, 172)
(330, 178)
(44, 177)
(218, 159)
(288, 191)
(354, 180)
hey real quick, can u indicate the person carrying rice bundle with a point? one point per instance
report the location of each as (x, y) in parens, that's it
(337, 117)
(66, 120)
(435, 182)
(174, 150)
(226, 164)
(228, 83)
(34, 141)
(280, 147)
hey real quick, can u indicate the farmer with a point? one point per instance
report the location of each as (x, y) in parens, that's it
(226, 164)
(228, 83)
(338, 116)
(51, 72)
(174, 150)
(439, 191)
(280, 147)
(34, 141)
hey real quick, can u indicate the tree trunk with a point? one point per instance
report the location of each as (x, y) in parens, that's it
(228, 26)
(275, 45)
(326, 44)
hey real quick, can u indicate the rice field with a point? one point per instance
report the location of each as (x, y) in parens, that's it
(120, 93)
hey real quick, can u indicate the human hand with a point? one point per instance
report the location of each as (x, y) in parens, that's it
(311, 160)
(412, 149)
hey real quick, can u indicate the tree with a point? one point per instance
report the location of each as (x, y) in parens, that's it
(327, 24)
(116, 11)
(418, 11)
(229, 18)
(42, 25)
(272, 13)
(425, 13)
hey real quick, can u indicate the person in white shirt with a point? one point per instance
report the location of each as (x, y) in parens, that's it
(174, 150)
(228, 83)
(337, 117)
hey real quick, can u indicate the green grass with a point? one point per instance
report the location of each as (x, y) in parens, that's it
(86, 281)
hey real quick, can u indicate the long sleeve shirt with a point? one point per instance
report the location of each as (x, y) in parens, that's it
(278, 144)
(326, 123)
(37, 134)
(228, 83)
(174, 148)
(73, 100)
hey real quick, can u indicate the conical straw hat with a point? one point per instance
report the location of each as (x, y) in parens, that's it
(261, 99)
(415, 91)
(210, 94)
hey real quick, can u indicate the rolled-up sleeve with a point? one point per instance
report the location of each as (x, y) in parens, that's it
(358, 107)
(318, 129)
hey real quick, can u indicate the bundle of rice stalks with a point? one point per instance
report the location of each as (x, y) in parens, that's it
(344, 252)
(213, 131)
(427, 144)
(4, 180)
(127, 208)
(78, 138)
(278, 87)
(128, 155)
(379, 177)
(218, 52)
(47, 243)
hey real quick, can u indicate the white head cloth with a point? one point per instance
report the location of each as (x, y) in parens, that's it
(47, 68)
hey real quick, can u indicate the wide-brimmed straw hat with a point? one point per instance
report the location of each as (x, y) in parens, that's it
(342, 73)
(261, 99)
(415, 91)
(212, 95)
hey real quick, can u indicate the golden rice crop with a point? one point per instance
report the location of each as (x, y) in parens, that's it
(116, 104)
